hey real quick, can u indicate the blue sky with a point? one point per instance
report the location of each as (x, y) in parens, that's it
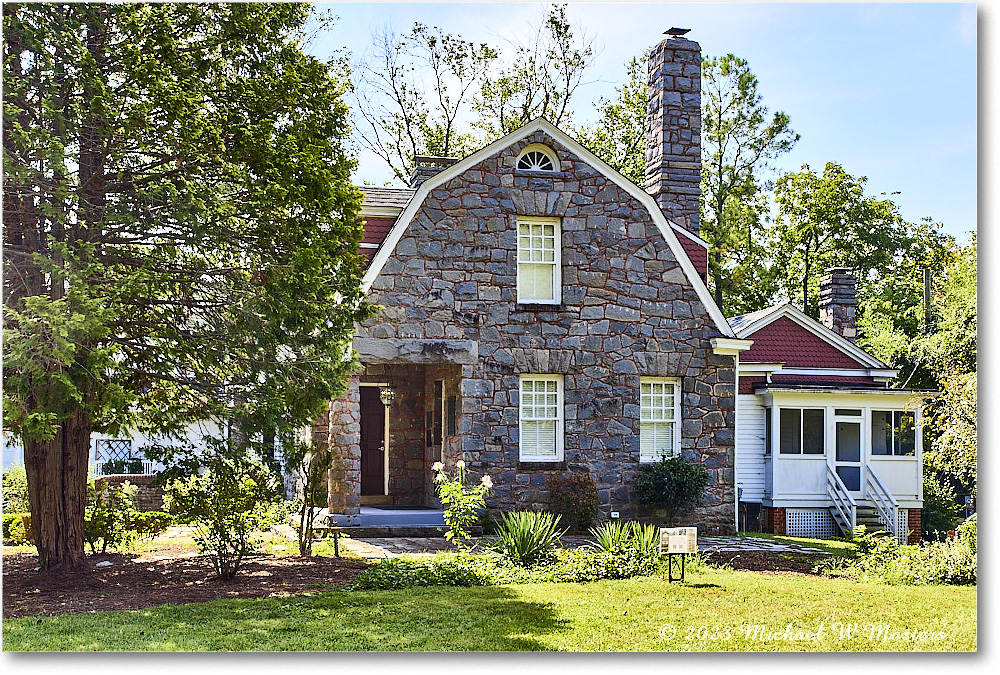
(886, 90)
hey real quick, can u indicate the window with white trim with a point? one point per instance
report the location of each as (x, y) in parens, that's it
(893, 432)
(539, 279)
(660, 414)
(541, 418)
(801, 431)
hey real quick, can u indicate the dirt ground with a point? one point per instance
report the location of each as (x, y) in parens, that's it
(767, 561)
(172, 574)
(134, 582)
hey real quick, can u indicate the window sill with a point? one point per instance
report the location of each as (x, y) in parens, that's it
(538, 307)
(541, 465)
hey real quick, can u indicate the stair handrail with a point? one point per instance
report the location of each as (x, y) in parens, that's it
(882, 499)
(843, 501)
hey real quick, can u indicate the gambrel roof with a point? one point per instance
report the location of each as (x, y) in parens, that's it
(665, 226)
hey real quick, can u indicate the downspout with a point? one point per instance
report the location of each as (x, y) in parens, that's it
(736, 440)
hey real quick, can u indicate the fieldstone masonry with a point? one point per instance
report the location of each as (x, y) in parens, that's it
(339, 432)
(628, 310)
(673, 135)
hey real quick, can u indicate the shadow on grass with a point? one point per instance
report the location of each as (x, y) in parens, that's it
(424, 619)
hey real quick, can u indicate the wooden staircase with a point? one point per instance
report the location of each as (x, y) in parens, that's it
(878, 511)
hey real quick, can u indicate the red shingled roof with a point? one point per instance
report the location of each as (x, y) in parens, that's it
(377, 229)
(695, 251)
(784, 341)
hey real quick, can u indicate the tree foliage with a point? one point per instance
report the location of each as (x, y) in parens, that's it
(619, 136)
(740, 141)
(180, 233)
(674, 483)
(827, 221)
(413, 92)
(541, 80)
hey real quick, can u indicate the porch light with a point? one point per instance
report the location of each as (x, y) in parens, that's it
(387, 395)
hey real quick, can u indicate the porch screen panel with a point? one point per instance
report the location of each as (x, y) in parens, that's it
(812, 432)
(790, 432)
(540, 415)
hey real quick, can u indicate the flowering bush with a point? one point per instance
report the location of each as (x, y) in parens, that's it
(463, 503)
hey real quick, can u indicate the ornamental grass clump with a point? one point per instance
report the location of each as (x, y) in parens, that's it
(464, 504)
(528, 538)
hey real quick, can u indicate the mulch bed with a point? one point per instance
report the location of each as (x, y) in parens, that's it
(133, 582)
(768, 561)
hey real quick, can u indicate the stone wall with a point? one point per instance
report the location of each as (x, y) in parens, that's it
(339, 431)
(673, 134)
(627, 311)
(149, 497)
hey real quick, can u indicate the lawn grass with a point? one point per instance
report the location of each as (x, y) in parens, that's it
(834, 546)
(714, 610)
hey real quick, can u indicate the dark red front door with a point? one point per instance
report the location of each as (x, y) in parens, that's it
(372, 439)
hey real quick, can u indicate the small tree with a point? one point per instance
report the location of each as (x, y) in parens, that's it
(311, 463)
(226, 504)
(940, 509)
(674, 484)
(574, 496)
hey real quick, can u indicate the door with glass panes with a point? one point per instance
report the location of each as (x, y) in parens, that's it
(848, 443)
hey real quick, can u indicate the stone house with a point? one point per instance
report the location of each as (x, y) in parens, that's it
(543, 315)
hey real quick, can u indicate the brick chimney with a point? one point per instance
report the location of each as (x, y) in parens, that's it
(424, 167)
(838, 301)
(673, 129)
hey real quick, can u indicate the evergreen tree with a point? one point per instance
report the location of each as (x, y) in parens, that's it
(180, 233)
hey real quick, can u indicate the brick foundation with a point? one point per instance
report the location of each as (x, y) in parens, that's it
(913, 525)
(149, 497)
(773, 520)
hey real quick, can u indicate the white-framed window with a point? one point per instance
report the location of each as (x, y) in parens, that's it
(893, 432)
(541, 418)
(537, 157)
(660, 414)
(801, 431)
(539, 277)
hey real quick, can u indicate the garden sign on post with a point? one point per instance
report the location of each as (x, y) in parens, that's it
(677, 541)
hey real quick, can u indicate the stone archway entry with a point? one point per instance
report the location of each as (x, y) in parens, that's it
(372, 442)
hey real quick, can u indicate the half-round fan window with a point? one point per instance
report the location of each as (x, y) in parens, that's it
(535, 158)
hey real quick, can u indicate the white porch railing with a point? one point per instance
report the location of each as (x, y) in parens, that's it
(845, 508)
(149, 467)
(883, 501)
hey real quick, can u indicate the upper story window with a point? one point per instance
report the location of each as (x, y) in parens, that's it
(893, 432)
(660, 412)
(537, 157)
(541, 418)
(801, 431)
(539, 278)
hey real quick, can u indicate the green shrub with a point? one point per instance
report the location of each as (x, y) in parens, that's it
(109, 517)
(14, 532)
(15, 490)
(122, 466)
(441, 570)
(940, 510)
(574, 497)
(628, 536)
(882, 558)
(226, 504)
(527, 538)
(967, 532)
(148, 524)
(674, 484)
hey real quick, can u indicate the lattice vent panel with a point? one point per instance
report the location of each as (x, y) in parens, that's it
(817, 523)
(902, 525)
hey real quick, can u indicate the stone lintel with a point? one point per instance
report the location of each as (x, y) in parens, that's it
(396, 350)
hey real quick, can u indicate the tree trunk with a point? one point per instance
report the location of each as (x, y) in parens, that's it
(57, 491)
(805, 284)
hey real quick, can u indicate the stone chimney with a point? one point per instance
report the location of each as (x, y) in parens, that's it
(838, 301)
(673, 130)
(424, 167)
